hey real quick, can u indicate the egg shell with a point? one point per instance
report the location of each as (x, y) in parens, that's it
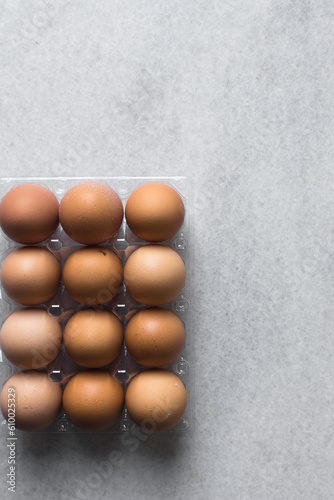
(91, 212)
(155, 336)
(154, 274)
(93, 275)
(154, 212)
(29, 213)
(31, 338)
(93, 400)
(37, 399)
(30, 275)
(93, 338)
(156, 399)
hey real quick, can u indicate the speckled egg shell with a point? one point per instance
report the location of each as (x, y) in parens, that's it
(154, 274)
(93, 338)
(155, 337)
(29, 213)
(37, 399)
(93, 400)
(31, 338)
(154, 212)
(91, 212)
(156, 399)
(93, 275)
(30, 275)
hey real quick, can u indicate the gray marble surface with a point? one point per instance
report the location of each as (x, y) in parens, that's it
(238, 96)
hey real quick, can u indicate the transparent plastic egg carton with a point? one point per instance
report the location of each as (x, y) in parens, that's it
(124, 243)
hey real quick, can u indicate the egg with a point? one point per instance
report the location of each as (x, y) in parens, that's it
(93, 275)
(29, 213)
(154, 274)
(93, 338)
(31, 338)
(154, 212)
(93, 400)
(35, 399)
(155, 336)
(30, 275)
(91, 212)
(156, 399)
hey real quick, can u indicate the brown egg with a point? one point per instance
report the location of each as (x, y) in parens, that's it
(29, 213)
(93, 400)
(31, 338)
(93, 338)
(154, 274)
(156, 399)
(34, 397)
(93, 275)
(30, 275)
(91, 212)
(154, 212)
(155, 336)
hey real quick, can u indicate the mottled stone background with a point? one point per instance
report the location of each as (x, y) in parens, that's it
(238, 96)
